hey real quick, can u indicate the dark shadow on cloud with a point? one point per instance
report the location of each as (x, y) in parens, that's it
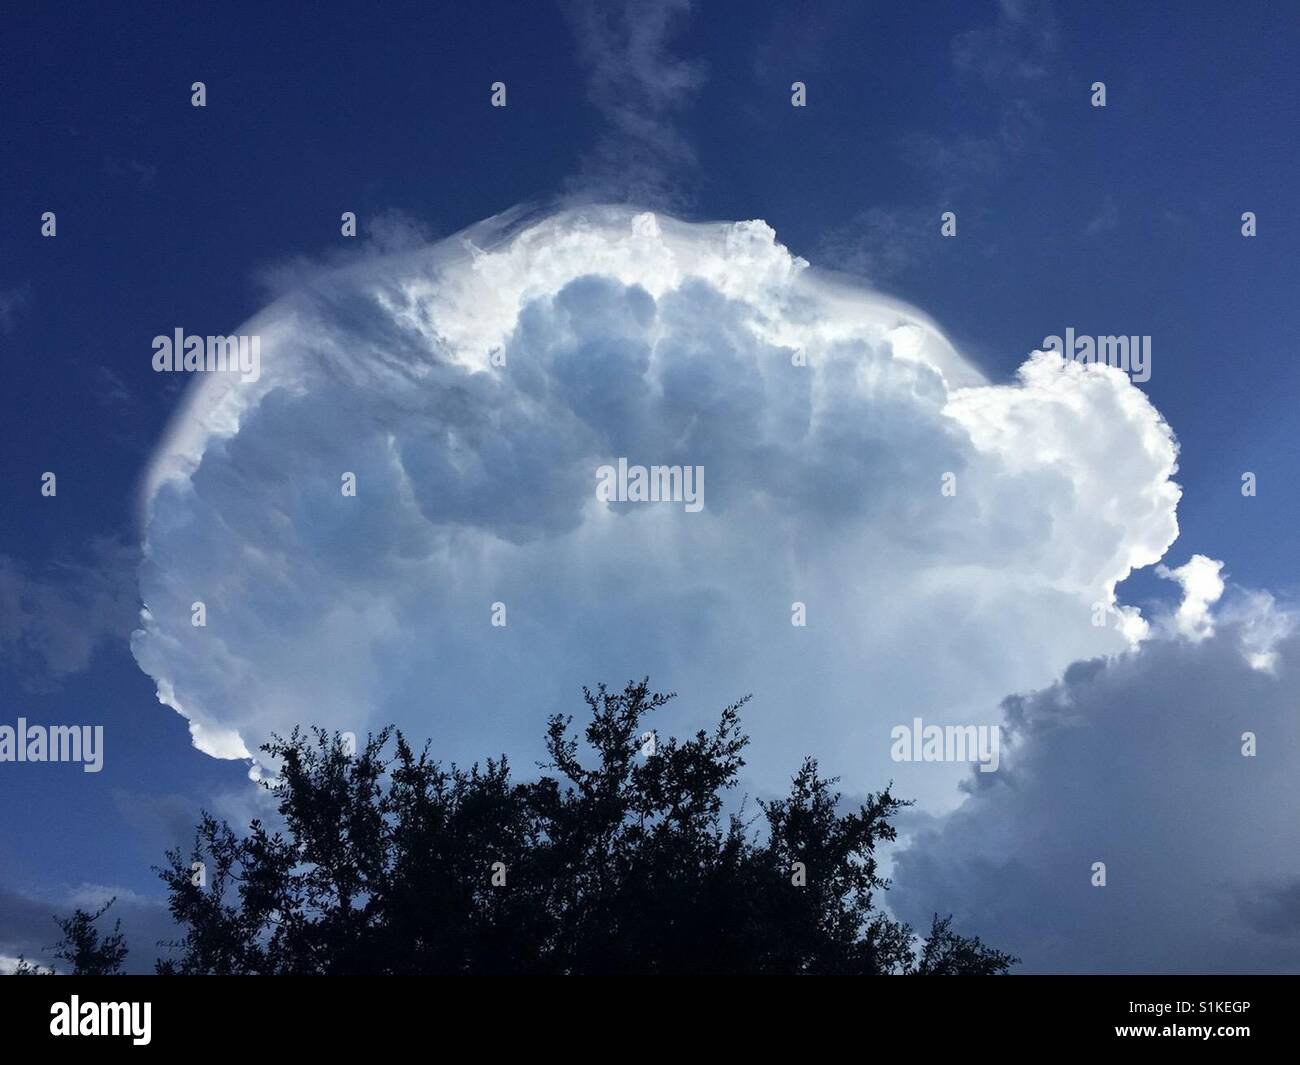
(1272, 908)
(29, 929)
(1136, 762)
(163, 821)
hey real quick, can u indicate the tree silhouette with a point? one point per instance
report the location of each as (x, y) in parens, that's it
(618, 859)
(82, 948)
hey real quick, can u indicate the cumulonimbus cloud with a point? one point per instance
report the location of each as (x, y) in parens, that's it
(949, 539)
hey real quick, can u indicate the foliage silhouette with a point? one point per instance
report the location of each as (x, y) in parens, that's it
(82, 948)
(611, 862)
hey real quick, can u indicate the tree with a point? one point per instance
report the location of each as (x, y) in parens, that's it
(612, 861)
(82, 948)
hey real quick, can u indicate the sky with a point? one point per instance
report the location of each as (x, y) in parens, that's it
(650, 234)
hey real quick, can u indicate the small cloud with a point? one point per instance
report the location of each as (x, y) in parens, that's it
(139, 174)
(12, 301)
(880, 243)
(1017, 47)
(8, 964)
(110, 389)
(953, 162)
(1106, 219)
(394, 230)
(164, 821)
(1012, 55)
(1202, 587)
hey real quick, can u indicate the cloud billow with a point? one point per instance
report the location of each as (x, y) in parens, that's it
(475, 386)
(1140, 761)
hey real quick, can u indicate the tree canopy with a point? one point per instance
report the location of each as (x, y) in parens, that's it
(81, 946)
(620, 857)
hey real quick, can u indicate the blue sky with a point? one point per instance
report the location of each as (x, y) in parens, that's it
(1123, 219)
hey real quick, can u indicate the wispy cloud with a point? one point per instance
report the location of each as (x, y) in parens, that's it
(12, 301)
(881, 242)
(139, 174)
(1017, 47)
(1106, 218)
(110, 389)
(638, 85)
(1007, 62)
(52, 623)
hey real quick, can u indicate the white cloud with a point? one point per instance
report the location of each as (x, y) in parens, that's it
(633, 335)
(1202, 587)
(8, 963)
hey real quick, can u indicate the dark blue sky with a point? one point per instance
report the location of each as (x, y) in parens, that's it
(1124, 219)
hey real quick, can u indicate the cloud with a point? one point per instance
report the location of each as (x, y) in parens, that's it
(1010, 57)
(12, 301)
(28, 924)
(139, 174)
(1019, 45)
(1272, 907)
(1105, 220)
(881, 243)
(637, 86)
(625, 334)
(8, 963)
(109, 389)
(52, 624)
(394, 230)
(165, 821)
(1135, 761)
(1202, 587)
